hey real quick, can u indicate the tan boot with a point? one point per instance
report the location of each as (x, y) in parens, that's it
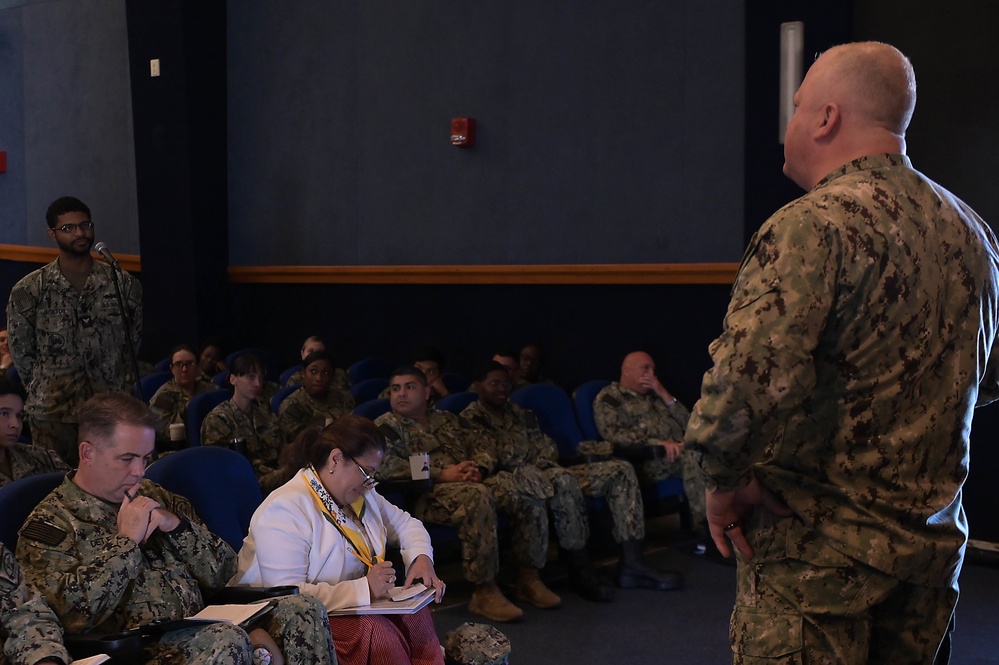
(532, 590)
(489, 601)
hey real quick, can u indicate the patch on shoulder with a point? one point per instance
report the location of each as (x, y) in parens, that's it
(388, 432)
(44, 533)
(610, 400)
(8, 566)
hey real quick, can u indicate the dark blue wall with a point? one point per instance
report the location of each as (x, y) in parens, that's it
(607, 132)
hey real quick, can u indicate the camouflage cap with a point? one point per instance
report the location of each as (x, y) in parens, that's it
(476, 644)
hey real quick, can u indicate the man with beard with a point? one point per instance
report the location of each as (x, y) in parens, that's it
(67, 335)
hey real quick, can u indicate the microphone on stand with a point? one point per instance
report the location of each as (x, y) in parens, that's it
(103, 250)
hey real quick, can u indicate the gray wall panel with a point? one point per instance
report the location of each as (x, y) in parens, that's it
(77, 117)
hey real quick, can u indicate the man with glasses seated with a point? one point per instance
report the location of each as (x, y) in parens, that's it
(67, 335)
(170, 401)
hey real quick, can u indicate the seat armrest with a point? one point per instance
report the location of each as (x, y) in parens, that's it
(237, 595)
(638, 454)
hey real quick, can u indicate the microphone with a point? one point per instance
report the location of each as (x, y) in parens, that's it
(102, 249)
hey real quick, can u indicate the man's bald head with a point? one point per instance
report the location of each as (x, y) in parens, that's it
(874, 80)
(636, 365)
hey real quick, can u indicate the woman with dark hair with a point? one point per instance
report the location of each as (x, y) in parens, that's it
(170, 401)
(19, 460)
(324, 532)
(244, 422)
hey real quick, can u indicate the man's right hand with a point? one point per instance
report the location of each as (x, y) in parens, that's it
(135, 515)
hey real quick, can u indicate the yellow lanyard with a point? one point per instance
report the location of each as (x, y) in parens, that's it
(324, 503)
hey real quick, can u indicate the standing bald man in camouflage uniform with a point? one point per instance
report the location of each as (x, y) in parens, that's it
(834, 424)
(29, 632)
(109, 550)
(458, 498)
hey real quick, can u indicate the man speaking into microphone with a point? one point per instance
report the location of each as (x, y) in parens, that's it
(68, 336)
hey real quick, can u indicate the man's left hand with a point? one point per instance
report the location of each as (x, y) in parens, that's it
(726, 511)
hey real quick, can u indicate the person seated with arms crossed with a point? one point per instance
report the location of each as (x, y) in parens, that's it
(526, 456)
(459, 498)
(169, 403)
(19, 460)
(109, 550)
(318, 402)
(326, 532)
(30, 633)
(638, 411)
(244, 423)
(312, 344)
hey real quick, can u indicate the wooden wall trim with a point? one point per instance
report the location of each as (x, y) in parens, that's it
(43, 255)
(670, 273)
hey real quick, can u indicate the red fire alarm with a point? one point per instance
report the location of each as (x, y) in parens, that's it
(463, 132)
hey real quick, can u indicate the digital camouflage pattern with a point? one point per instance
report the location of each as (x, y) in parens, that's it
(95, 579)
(28, 460)
(626, 418)
(468, 507)
(855, 347)
(170, 403)
(476, 644)
(341, 381)
(29, 630)
(69, 346)
(299, 411)
(258, 429)
(516, 440)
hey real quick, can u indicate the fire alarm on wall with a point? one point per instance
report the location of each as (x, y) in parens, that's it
(463, 132)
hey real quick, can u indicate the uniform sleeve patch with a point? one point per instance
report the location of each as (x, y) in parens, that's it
(389, 433)
(43, 533)
(610, 400)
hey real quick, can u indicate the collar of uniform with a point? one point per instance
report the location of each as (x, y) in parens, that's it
(867, 163)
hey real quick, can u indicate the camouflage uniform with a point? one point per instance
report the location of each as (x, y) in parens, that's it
(98, 580)
(29, 630)
(170, 403)
(469, 507)
(626, 418)
(258, 429)
(68, 346)
(299, 411)
(28, 460)
(341, 381)
(516, 440)
(854, 349)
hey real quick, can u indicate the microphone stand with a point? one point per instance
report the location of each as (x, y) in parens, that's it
(128, 329)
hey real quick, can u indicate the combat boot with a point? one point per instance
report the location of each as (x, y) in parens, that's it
(531, 589)
(634, 573)
(584, 579)
(488, 601)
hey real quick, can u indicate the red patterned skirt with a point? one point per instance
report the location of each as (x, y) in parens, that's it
(386, 639)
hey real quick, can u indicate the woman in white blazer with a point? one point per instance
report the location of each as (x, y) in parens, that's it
(324, 532)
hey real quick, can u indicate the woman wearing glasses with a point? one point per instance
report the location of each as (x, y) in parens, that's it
(170, 401)
(324, 532)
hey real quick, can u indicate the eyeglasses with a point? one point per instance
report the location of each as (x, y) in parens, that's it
(183, 364)
(71, 228)
(369, 482)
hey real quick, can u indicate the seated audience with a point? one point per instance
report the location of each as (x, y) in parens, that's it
(511, 361)
(526, 460)
(318, 402)
(245, 423)
(211, 361)
(169, 403)
(637, 411)
(530, 365)
(326, 533)
(312, 344)
(18, 460)
(458, 498)
(430, 361)
(30, 633)
(6, 362)
(109, 550)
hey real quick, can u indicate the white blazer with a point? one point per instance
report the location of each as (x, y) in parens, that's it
(290, 542)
